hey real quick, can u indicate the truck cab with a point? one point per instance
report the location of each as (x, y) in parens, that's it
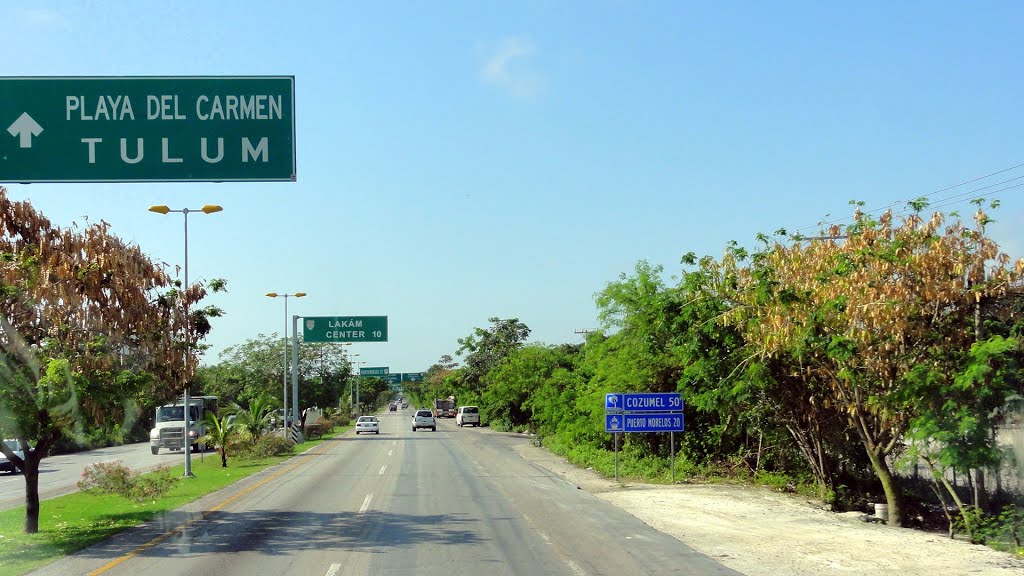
(169, 424)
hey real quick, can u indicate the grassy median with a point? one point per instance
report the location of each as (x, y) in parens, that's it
(75, 521)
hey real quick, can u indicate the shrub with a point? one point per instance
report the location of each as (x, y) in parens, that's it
(107, 478)
(116, 478)
(317, 430)
(153, 485)
(268, 445)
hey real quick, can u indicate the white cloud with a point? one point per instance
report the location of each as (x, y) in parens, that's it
(42, 18)
(508, 67)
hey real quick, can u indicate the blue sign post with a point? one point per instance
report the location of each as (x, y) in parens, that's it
(661, 422)
(644, 412)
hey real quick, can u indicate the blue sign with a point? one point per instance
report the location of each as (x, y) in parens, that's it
(643, 422)
(613, 403)
(647, 402)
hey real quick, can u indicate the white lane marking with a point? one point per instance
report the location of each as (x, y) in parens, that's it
(333, 570)
(366, 503)
(389, 452)
(393, 442)
(575, 568)
(382, 469)
(544, 536)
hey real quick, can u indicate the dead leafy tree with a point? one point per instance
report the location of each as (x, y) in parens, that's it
(863, 311)
(76, 304)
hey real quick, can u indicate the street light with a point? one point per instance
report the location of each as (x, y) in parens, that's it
(350, 380)
(284, 375)
(358, 411)
(207, 209)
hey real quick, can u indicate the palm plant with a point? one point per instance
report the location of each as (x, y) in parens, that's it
(218, 434)
(256, 418)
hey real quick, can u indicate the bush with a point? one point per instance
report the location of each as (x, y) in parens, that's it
(268, 445)
(116, 478)
(314, 431)
(153, 485)
(107, 478)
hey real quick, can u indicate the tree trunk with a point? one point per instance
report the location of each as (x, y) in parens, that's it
(31, 471)
(223, 458)
(888, 481)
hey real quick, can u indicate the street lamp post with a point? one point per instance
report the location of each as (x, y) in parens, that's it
(207, 209)
(358, 411)
(284, 375)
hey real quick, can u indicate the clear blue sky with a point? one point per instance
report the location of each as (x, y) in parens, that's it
(460, 160)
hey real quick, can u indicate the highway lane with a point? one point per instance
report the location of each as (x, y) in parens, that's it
(454, 501)
(58, 474)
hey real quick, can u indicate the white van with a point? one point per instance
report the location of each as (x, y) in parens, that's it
(467, 415)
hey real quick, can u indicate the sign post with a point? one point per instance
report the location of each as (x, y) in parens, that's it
(644, 412)
(147, 129)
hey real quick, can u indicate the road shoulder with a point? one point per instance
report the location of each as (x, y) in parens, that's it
(763, 533)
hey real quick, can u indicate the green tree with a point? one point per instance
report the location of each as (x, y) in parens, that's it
(484, 349)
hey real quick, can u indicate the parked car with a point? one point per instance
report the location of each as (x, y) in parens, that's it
(367, 424)
(5, 464)
(424, 419)
(467, 415)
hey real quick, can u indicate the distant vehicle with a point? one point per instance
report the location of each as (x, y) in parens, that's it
(393, 407)
(405, 405)
(367, 424)
(423, 419)
(5, 464)
(169, 424)
(444, 408)
(467, 415)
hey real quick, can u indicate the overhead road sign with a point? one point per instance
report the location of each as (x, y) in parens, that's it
(664, 422)
(395, 378)
(345, 329)
(643, 402)
(147, 129)
(412, 376)
(374, 371)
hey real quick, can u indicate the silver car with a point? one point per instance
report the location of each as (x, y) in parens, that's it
(423, 419)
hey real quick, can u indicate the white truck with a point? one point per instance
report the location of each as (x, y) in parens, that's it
(169, 424)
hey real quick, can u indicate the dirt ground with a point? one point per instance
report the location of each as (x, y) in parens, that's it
(763, 533)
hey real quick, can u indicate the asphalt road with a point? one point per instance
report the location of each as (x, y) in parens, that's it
(58, 474)
(455, 501)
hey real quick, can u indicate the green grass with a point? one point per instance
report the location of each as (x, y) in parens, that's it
(70, 523)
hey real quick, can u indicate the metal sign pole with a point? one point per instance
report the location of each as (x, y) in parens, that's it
(616, 436)
(672, 452)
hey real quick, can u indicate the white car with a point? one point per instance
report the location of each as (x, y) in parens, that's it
(367, 424)
(467, 415)
(7, 465)
(423, 419)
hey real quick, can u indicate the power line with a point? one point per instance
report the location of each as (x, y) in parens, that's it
(824, 225)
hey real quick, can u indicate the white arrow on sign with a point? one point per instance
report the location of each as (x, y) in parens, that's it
(25, 127)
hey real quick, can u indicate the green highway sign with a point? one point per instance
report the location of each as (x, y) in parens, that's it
(345, 329)
(412, 376)
(395, 378)
(374, 371)
(147, 129)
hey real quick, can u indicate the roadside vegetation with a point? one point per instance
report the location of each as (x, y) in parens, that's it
(871, 363)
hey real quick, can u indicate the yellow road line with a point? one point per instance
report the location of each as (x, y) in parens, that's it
(202, 516)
